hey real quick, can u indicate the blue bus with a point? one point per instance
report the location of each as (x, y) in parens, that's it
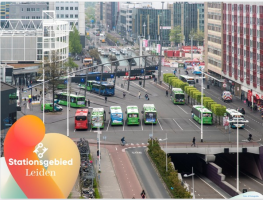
(116, 115)
(105, 88)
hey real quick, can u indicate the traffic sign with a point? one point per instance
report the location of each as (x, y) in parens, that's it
(112, 75)
(97, 78)
(224, 85)
(142, 70)
(82, 80)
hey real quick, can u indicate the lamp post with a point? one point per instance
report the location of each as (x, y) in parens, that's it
(144, 29)
(192, 181)
(192, 36)
(160, 58)
(202, 93)
(68, 102)
(165, 149)
(238, 126)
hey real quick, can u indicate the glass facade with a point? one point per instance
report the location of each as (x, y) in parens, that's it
(152, 19)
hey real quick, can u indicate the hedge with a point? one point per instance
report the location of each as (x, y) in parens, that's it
(170, 177)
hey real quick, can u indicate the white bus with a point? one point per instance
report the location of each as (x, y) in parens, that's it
(102, 37)
(235, 116)
(188, 79)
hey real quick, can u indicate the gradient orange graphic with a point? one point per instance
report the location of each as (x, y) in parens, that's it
(20, 142)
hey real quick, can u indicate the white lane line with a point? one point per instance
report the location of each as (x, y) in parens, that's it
(194, 124)
(178, 125)
(160, 124)
(108, 125)
(252, 178)
(132, 144)
(211, 187)
(182, 109)
(141, 125)
(74, 130)
(116, 148)
(139, 86)
(123, 124)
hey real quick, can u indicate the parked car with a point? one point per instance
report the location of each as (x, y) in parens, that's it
(99, 49)
(49, 107)
(227, 96)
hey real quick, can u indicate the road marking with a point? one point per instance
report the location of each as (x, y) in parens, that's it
(140, 86)
(211, 187)
(141, 125)
(108, 125)
(182, 109)
(123, 124)
(159, 125)
(116, 148)
(178, 125)
(137, 143)
(132, 144)
(74, 130)
(194, 124)
(142, 143)
(252, 178)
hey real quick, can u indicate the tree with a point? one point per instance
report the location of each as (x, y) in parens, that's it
(90, 14)
(198, 36)
(176, 35)
(74, 41)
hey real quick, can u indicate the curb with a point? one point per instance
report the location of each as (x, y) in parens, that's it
(157, 172)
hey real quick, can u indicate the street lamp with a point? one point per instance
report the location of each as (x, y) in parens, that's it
(165, 149)
(144, 29)
(98, 138)
(43, 93)
(68, 102)
(202, 93)
(192, 181)
(192, 36)
(238, 126)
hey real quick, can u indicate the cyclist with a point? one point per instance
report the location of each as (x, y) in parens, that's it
(249, 137)
(123, 141)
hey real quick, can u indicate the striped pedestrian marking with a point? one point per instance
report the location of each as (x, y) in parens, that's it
(137, 144)
(142, 143)
(132, 144)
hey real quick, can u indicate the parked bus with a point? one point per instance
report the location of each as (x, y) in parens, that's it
(206, 114)
(81, 119)
(62, 83)
(105, 88)
(116, 115)
(149, 114)
(177, 96)
(132, 115)
(234, 115)
(190, 80)
(76, 101)
(98, 116)
(88, 86)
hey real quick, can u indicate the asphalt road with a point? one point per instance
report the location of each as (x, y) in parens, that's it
(150, 181)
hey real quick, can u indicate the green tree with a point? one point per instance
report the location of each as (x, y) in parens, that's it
(74, 41)
(176, 35)
(90, 14)
(198, 36)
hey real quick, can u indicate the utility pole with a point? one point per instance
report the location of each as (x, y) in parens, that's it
(101, 76)
(144, 29)
(115, 75)
(86, 81)
(144, 72)
(140, 59)
(160, 58)
(191, 46)
(129, 76)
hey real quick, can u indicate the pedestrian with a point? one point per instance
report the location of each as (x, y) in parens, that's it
(193, 142)
(166, 93)
(192, 114)
(124, 94)
(22, 89)
(139, 94)
(88, 103)
(143, 194)
(76, 93)
(146, 96)
(106, 99)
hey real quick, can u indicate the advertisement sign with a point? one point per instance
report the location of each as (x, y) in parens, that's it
(158, 48)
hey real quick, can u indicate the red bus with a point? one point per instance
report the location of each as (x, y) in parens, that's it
(81, 119)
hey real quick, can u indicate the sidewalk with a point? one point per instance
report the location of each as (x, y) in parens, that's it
(108, 183)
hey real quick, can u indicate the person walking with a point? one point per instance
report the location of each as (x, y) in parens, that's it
(106, 99)
(124, 94)
(88, 103)
(166, 93)
(139, 94)
(146, 96)
(193, 142)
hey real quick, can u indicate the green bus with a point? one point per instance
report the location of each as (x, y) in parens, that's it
(98, 117)
(149, 114)
(177, 96)
(132, 115)
(88, 86)
(62, 83)
(76, 101)
(207, 114)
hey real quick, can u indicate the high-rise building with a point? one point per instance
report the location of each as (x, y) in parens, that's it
(242, 49)
(4, 13)
(213, 39)
(111, 15)
(188, 16)
(147, 22)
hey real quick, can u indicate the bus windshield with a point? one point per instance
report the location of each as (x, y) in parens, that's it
(133, 115)
(80, 118)
(207, 115)
(150, 116)
(191, 81)
(179, 96)
(81, 99)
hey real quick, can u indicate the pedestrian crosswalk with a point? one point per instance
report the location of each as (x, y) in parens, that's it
(131, 146)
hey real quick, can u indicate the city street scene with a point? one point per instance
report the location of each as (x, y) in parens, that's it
(162, 99)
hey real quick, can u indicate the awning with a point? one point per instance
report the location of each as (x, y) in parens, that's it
(215, 78)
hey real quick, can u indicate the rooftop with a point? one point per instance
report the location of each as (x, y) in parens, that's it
(5, 86)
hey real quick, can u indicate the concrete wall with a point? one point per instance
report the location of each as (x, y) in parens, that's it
(260, 161)
(213, 172)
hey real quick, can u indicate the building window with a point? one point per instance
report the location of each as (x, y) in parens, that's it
(28, 9)
(66, 16)
(57, 15)
(33, 17)
(23, 17)
(32, 9)
(61, 16)
(76, 8)
(22, 9)
(71, 16)
(66, 8)
(37, 9)
(57, 8)
(61, 8)
(76, 16)
(71, 8)
(71, 23)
